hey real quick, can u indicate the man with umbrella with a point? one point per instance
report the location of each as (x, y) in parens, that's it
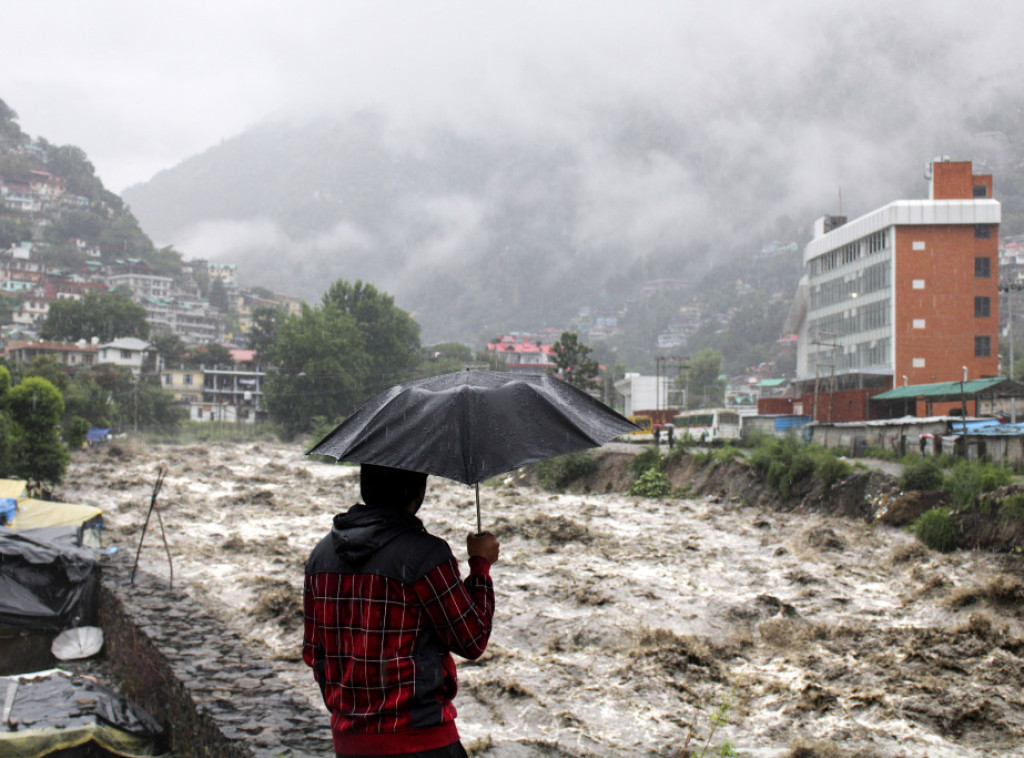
(384, 610)
(384, 605)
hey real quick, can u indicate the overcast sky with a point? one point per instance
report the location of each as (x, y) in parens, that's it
(141, 86)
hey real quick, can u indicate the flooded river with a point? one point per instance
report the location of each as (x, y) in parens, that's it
(623, 625)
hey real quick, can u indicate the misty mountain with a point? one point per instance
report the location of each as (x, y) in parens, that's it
(478, 232)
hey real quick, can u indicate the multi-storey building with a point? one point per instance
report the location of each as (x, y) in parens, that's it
(907, 294)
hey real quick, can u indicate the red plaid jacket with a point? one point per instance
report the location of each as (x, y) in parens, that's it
(384, 609)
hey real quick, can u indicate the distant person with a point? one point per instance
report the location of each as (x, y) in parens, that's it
(671, 437)
(384, 610)
(657, 435)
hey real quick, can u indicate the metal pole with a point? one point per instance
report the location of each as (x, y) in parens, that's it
(479, 528)
(1013, 398)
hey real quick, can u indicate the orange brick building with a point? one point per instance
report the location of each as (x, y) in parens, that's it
(906, 294)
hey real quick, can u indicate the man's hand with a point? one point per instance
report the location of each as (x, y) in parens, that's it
(484, 545)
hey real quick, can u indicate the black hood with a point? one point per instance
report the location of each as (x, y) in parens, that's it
(365, 529)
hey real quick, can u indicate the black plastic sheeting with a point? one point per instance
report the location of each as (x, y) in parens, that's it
(47, 583)
(62, 700)
(53, 711)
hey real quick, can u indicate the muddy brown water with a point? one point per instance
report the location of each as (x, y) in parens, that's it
(623, 625)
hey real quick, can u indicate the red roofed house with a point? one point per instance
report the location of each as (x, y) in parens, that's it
(521, 355)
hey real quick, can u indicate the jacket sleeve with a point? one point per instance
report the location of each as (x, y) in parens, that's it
(461, 612)
(312, 649)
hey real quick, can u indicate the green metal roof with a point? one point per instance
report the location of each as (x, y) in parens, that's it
(941, 389)
(771, 382)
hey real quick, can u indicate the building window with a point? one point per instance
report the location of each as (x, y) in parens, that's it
(982, 347)
(980, 190)
(919, 244)
(982, 231)
(168, 380)
(918, 284)
(186, 379)
(982, 307)
(126, 355)
(982, 268)
(918, 363)
(919, 323)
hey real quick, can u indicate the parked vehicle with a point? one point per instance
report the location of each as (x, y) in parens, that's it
(708, 424)
(645, 432)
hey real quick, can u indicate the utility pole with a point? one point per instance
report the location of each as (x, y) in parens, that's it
(1009, 289)
(832, 373)
(670, 362)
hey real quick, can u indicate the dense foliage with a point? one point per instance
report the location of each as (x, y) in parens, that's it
(330, 358)
(103, 315)
(784, 463)
(558, 473)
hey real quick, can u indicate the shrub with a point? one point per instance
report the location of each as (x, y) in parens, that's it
(967, 480)
(830, 468)
(651, 483)
(725, 454)
(1012, 508)
(785, 462)
(559, 473)
(921, 474)
(936, 529)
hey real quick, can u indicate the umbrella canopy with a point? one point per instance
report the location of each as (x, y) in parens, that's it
(472, 425)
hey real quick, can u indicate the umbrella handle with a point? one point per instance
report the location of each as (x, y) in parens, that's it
(479, 528)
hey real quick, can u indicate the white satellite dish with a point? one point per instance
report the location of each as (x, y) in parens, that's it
(80, 642)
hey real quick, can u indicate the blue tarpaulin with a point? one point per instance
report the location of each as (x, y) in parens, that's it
(8, 507)
(95, 434)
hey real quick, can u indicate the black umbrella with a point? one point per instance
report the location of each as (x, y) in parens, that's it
(472, 425)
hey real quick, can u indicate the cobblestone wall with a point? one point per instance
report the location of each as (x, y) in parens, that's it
(184, 667)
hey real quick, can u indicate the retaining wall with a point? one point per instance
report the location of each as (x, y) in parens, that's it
(198, 678)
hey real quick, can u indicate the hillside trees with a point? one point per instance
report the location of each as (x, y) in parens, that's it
(105, 315)
(330, 358)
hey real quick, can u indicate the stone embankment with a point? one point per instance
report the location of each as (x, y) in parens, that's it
(198, 678)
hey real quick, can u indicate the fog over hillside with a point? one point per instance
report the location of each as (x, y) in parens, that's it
(514, 212)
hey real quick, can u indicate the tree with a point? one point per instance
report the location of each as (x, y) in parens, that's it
(211, 354)
(330, 358)
(105, 315)
(573, 362)
(171, 349)
(219, 295)
(36, 409)
(444, 358)
(266, 320)
(704, 388)
(9, 128)
(320, 369)
(49, 368)
(390, 337)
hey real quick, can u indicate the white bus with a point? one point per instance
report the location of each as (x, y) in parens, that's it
(708, 424)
